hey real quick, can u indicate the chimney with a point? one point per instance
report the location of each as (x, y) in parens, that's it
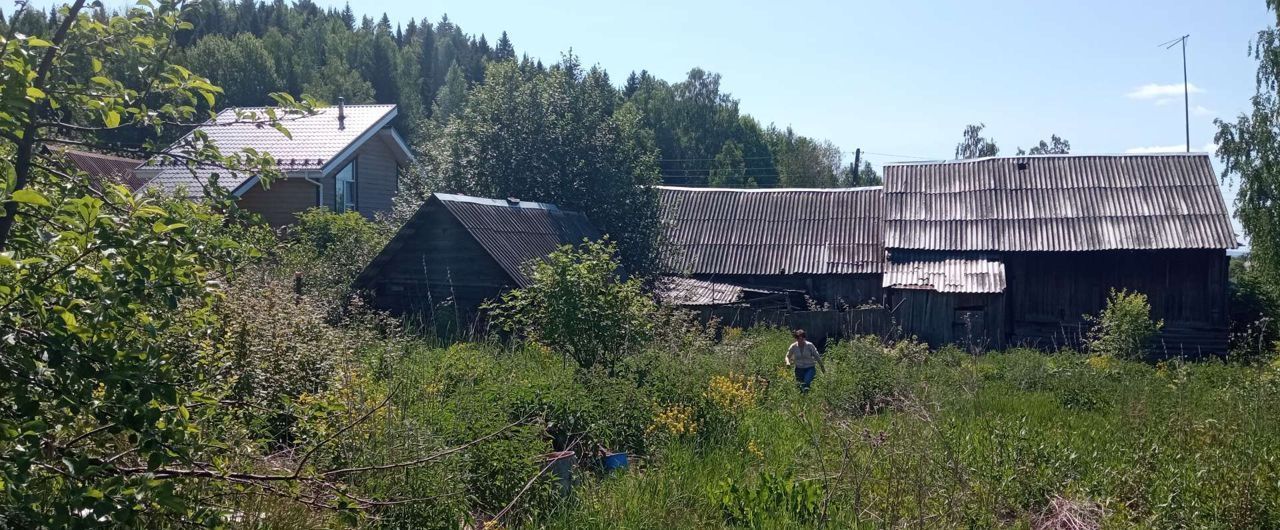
(342, 115)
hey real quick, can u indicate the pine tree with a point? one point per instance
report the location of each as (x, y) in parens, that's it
(349, 17)
(504, 51)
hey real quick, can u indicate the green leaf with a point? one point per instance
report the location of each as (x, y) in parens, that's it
(29, 196)
(36, 42)
(68, 318)
(111, 119)
(97, 65)
(35, 93)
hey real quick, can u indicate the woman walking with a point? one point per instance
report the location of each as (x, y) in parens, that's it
(804, 355)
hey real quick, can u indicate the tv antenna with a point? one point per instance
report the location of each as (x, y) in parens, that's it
(1186, 90)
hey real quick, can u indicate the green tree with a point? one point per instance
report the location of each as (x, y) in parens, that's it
(1250, 152)
(558, 136)
(863, 176)
(105, 297)
(240, 65)
(803, 162)
(1055, 146)
(452, 97)
(974, 145)
(729, 169)
(576, 282)
(337, 80)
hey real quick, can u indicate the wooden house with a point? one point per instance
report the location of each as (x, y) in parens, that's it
(456, 252)
(1016, 250)
(345, 158)
(823, 242)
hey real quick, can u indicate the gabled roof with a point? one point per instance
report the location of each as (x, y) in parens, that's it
(319, 142)
(106, 168)
(1056, 203)
(773, 231)
(512, 232)
(947, 276)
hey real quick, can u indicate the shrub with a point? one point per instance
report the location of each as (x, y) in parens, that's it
(329, 250)
(773, 500)
(1123, 327)
(579, 306)
(1255, 313)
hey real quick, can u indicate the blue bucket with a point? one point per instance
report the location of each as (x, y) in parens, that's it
(615, 461)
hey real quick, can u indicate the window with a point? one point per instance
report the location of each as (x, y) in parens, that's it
(344, 196)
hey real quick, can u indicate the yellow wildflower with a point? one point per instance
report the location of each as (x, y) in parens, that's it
(732, 393)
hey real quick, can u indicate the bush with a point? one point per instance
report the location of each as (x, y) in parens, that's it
(1255, 313)
(329, 250)
(1122, 328)
(579, 306)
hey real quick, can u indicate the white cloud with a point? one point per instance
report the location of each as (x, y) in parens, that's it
(1157, 149)
(1200, 110)
(1180, 148)
(1157, 91)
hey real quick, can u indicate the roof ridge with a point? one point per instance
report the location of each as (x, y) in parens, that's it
(769, 190)
(1033, 157)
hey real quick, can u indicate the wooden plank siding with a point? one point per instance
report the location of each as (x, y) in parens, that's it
(1050, 292)
(281, 204)
(376, 179)
(441, 267)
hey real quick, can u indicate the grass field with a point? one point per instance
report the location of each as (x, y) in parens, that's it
(889, 436)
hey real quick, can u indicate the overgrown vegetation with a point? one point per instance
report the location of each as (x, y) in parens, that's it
(1123, 327)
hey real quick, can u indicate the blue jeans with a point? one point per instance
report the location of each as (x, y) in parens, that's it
(804, 376)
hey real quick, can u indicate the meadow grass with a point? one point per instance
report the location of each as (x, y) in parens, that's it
(721, 437)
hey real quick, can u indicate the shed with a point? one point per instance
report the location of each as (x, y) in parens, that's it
(457, 251)
(1066, 229)
(825, 242)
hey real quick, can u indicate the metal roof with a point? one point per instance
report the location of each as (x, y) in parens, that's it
(106, 167)
(1057, 203)
(318, 141)
(512, 232)
(773, 231)
(681, 291)
(947, 276)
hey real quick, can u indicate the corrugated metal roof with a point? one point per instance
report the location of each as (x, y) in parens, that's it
(512, 232)
(1057, 203)
(681, 291)
(316, 141)
(774, 231)
(106, 167)
(947, 276)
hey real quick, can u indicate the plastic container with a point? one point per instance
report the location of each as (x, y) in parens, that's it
(615, 461)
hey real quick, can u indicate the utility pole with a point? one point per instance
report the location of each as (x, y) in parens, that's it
(1186, 90)
(857, 165)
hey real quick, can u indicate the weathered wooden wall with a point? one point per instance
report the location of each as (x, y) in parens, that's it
(836, 289)
(441, 271)
(1049, 293)
(973, 320)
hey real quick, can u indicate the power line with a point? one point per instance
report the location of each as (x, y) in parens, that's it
(864, 151)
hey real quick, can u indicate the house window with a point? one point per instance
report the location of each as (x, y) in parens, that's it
(344, 197)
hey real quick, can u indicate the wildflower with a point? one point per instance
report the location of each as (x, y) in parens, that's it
(675, 420)
(754, 449)
(732, 393)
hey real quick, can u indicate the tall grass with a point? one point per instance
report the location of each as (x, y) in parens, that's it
(887, 437)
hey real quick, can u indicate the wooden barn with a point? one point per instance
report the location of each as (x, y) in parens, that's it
(1015, 250)
(823, 242)
(457, 252)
